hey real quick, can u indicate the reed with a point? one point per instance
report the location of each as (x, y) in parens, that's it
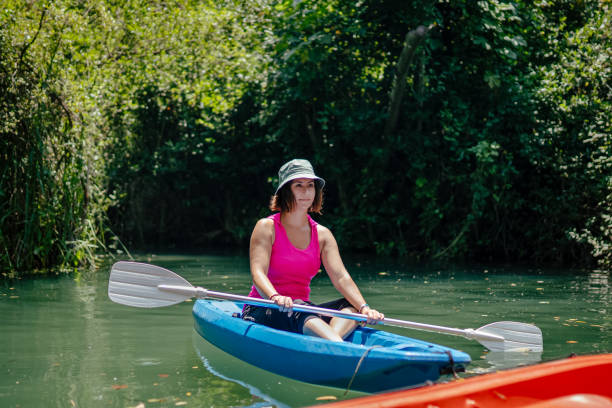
(47, 217)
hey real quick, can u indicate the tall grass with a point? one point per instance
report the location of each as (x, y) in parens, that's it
(49, 217)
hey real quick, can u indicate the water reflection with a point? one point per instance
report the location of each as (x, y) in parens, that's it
(499, 360)
(203, 349)
(598, 283)
(276, 390)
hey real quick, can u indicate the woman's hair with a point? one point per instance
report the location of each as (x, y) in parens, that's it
(284, 200)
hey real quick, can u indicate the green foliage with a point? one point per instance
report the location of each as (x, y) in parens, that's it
(183, 129)
(469, 167)
(575, 110)
(49, 204)
(164, 120)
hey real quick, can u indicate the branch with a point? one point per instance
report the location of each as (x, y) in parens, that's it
(464, 229)
(58, 99)
(413, 39)
(28, 45)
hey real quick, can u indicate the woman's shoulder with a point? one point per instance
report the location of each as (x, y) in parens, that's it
(265, 223)
(264, 230)
(326, 238)
(323, 231)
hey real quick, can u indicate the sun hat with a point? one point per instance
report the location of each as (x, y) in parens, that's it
(295, 169)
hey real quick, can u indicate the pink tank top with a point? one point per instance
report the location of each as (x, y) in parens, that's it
(291, 269)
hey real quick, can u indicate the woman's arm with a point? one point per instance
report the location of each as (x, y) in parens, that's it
(260, 249)
(341, 279)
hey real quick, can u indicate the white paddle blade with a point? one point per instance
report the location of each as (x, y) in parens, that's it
(136, 284)
(516, 337)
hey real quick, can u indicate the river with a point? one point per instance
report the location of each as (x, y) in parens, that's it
(63, 343)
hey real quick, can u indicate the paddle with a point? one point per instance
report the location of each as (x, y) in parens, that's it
(144, 285)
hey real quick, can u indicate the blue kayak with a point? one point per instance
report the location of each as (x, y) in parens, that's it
(374, 360)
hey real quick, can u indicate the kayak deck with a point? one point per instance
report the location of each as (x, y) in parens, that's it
(378, 360)
(573, 382)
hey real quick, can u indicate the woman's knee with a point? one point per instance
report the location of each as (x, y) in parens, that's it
(315, 326)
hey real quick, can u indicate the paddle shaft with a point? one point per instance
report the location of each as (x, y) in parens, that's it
(202, 293)
(143, 285)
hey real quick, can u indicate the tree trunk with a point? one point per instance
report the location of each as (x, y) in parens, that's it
(413, 39)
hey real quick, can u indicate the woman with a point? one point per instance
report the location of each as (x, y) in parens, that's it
(286, 251)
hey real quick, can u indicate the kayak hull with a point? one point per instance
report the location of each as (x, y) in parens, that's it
(369, 360)
(573, 382)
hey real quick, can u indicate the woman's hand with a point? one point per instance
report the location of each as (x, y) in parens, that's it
(285, 303)
(374, 316)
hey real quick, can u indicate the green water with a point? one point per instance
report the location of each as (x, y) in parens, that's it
(63, 343)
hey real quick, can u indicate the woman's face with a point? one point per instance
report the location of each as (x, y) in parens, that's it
(303, 190)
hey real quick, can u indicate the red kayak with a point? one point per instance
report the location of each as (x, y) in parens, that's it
(573, 382)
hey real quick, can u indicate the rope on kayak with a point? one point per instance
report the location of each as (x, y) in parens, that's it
(365, 353)
(452, 363)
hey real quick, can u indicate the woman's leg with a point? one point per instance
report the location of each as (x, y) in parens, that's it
(315, 326)
(344, 327)
(337, 329)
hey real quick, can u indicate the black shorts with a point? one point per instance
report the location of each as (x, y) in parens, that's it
(295, 323)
